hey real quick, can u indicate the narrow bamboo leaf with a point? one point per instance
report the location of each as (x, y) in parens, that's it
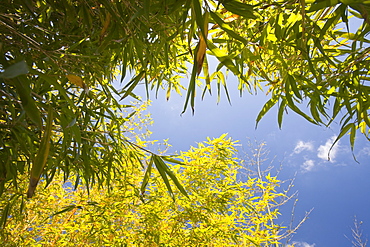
(77, 181)
(132, 84)
(52, 80)
(124, 65)
(319, 4)
(200, 54)
(105, 26)
(226, 92)
(239, 8)
(15, 70)
(207, 77)
(336, 109)
(171, 175)
(293, 85)
(74, 46)
(318, 45)
(292, 106)
(28, 103)
(281, 113)
(147, 174)
(172, 160)
(314, 112)
(223, 58)
(5, 215)
(352, 136)
(330, 22)
(343, 131)
(267, 106)
(190, 95)
(42, 155)
(202, 44)
(227, 28)
(198, 16)
(76, 133)
(161, 169)
(66, 209)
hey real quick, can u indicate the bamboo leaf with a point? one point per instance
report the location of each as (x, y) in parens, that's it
(166, 170)
(15, 70)
(343, 131)
(28, 103)
(223, 57)
(202, 44)
(320, 4)
(76, 80)
(132, 84)
(42, 155)
(281, 113)
(227, 28)
(190, 95)
(239, 8)
(267, 106)
(198, 16)
(146, 176)
(4, 215)
(162, 171)
(52, 80)
(105, 25)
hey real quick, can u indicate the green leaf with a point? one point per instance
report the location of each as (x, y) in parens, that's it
(293, 85)
(15, 70)
(66, 209)
(343, 131)
(42, 154)
(190, 95)
(292, 106)
(132, 84)
(172, 160)
(314, 112)
(281, 113)
(267, 106)
(4, 215)
(322, 4)
(146, 176)
(223, 57)
(164, 170)
(199, 16)
(29, 105)
(224, 26)
(239, 8)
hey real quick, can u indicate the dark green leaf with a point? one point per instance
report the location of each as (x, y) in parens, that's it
(227, 28)
(146, 176)
(29, 105)
(268, 105)
(239, 8)
(15, 70)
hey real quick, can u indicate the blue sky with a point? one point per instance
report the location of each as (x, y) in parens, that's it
(336, 190)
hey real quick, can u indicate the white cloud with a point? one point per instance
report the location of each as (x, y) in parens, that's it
(323, 150)
(308, 165)
(301, 146)
(364, 151)
(303, 244)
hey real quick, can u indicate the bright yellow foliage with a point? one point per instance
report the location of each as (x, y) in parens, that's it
(221, 210)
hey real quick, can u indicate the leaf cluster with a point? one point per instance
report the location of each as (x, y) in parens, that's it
(219, 210)
(60, 58)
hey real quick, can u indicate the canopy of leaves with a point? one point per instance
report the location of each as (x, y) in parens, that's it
(59, 111)
(220, 210)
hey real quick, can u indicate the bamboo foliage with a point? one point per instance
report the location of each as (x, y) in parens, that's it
(67, 54)
(219, 210)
